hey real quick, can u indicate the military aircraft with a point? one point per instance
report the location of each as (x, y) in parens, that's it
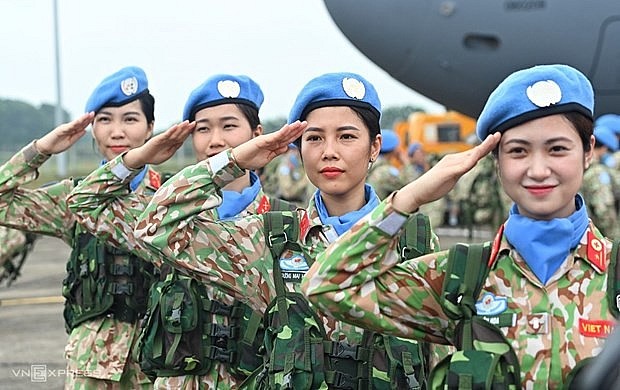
(456, 51)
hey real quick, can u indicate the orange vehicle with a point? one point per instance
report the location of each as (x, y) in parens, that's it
(439, 134)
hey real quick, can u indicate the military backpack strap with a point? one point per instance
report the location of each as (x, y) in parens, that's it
(278, 204)
(484, 359)
(416, 238)
(280, 230)
(466, 271)
(613, 280)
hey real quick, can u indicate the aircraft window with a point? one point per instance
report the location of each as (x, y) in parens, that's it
(481, 42)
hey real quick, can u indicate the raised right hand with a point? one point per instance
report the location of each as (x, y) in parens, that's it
(64, 136)
(159, 148)
(258, 151)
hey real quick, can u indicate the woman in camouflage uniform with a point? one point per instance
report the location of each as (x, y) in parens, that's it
(546, 288)
(121, 110)
(225, 111)
(340, 138)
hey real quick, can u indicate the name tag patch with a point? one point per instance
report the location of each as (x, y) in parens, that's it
(293, 267)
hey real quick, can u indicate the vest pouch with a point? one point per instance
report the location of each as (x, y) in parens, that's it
(403, 362)
(249, 344)
(490, 364)
(294, 342)
(86, 287)
(171, 343)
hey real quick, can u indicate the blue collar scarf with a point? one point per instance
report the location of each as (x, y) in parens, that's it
(135, 182)
(234, 202)
(544, 245)
(344, 222)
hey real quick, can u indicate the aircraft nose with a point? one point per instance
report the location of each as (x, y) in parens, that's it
(359, 19)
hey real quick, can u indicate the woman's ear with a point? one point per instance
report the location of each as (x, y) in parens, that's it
(257, 131)
(375, 147)
(149, 132)
(589, 154)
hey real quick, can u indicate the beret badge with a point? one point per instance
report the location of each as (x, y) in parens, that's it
(229, 88)
(544, 93)
(129, 86)
(353, 88)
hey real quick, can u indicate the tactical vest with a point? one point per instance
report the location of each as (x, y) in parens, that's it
(102, 280)
(485, 359)
(183, 332)
(299, 354)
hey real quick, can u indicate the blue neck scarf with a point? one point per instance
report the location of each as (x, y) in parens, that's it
(135, 182)
(544, 245)
(234, 202)
(344, 222)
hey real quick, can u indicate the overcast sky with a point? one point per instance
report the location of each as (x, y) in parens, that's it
(281, 44)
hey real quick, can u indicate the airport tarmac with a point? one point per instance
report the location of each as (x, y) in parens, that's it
(33, 336)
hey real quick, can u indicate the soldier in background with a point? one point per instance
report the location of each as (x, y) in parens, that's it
(479, 193)
(416, 164)
(612, 159)
(14, 246)
(293, 184)
(598, 184)
(384, 177)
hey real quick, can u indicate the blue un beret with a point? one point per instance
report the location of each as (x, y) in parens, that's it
(120, 88)
(389, 142)
(606, 136)
(413, 148)
(612, 121)
(223, 89)
(335, 89)
(533, 93)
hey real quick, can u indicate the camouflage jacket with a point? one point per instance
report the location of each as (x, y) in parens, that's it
(597, 188)
(551, 327)
(11, 242)
(176, 224)
(101, 347)
(103, 203)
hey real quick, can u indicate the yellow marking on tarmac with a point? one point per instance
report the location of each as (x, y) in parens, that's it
(31, 300)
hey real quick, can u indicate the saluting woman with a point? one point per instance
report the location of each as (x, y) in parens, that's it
(546, 285)
(105, 289)
(338, 137)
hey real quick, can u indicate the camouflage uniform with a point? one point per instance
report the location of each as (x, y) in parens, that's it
(11, 242)
(98, 351)
(176, 225)
(597, 187)
(384, 177)
(104, 205)
(550, 328)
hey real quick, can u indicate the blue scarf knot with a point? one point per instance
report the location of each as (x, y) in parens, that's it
(344, 222)
(544, 245)
(234, 202)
